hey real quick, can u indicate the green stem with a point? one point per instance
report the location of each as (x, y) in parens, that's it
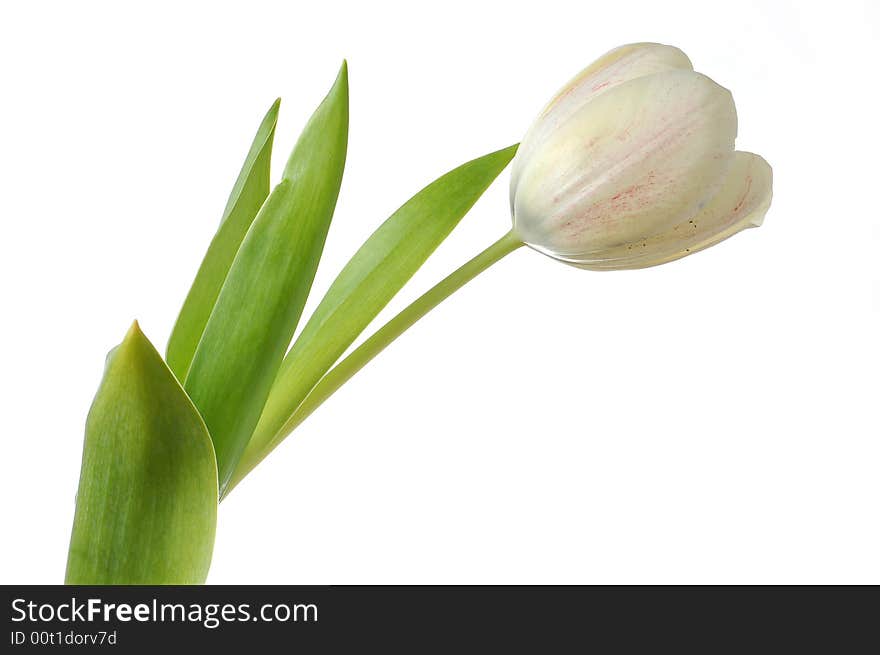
(375, 344)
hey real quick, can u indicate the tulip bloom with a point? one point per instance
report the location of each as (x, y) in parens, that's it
(632, 164)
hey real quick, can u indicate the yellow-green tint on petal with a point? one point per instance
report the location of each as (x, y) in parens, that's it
(630, 164)
(620, 65)
(742, 202)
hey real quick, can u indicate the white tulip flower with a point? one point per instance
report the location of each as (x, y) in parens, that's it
(632, 164)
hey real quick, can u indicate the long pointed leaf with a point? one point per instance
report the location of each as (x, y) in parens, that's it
(146, 509)
(376, 272)
(245, 200)
(264, 293)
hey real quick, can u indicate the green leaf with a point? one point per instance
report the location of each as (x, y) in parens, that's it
(264, 293)
(376, 272)
(248, 195)
(146, 509)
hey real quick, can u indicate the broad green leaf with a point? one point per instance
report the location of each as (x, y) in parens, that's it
(264, 293)
(146, 509)
(376, 272)
(245, 200)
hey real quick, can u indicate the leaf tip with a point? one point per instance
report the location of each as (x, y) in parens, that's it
(273, 110)
(134, 331)
(135, 342)
(341, 83)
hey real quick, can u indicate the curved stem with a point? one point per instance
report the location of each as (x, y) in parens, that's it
(376, 343)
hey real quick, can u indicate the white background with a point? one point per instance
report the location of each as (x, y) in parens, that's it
(713, 420)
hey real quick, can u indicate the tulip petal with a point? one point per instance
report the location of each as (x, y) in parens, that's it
(615, 67)
(633, 162)
(741, 203)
